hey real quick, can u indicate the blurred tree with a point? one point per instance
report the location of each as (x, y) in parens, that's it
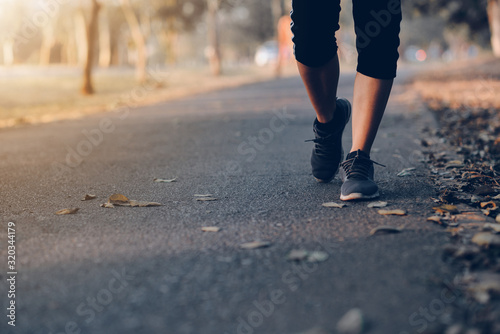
(87, 87)
(177, 16)
(139, 40)
(213, 37)
(482, 17)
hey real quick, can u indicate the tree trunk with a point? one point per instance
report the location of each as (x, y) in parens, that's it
(80, 38)
(104, 40)
(494, 20)
(213, 38)
(87, 87)
(48, 42)
(139, 40)
(8, 52)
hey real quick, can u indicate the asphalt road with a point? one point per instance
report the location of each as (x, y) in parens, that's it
(152, 270)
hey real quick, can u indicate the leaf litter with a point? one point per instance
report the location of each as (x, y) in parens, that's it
(71, 211)
(255, 244)
(309, 256)
(395, 212)
(406, 172)
(164, 180)
(378, 204)
(122, 200)
(210, 229)
(88, 197)
(334, 205)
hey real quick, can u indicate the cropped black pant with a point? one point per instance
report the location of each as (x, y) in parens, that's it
(377, 27)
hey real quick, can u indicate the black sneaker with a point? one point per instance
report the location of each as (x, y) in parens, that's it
(327, 153)
(357, 175)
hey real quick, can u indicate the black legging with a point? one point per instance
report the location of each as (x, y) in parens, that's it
(377, 26)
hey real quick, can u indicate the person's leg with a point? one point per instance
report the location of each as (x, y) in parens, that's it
(369, 103)
(377, 26)
(377, 39)
(314, 25)
(321, 85)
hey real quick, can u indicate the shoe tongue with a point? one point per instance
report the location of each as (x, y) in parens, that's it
(358, 153)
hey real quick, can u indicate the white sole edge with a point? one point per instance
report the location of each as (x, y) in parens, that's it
(355, 196)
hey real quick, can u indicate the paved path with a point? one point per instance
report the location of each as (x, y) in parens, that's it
(152, 270)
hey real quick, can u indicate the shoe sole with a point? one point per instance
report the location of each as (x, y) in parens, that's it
(356, 196)
(349, 110)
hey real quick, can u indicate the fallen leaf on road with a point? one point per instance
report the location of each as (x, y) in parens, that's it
(118, 199)
(88, 197)
(210, 229)
(255, 244)
(206, 199)
(492, 206)
(122, 200)
(201, 195)
(334, 205)
(386, 229)
(143, 204)
(486, 240)
(67, 211)
(301, 255)
(454, 164)
(351, 323)
(297, 255)
(379, 204)
(493, 227)
(165, 180)
(317, 256)
(396, 212)
(487, 286)
(406, 171)
(445, 208)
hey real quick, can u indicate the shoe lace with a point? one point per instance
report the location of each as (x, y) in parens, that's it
(358, 167)
(323, 145)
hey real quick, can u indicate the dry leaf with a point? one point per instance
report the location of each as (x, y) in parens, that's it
(351, 323)
(201, 195)
(107, 205)
(493, 227)
(317, 256)
(88, 197)
(489, 205)
(485, 239)
(489, 284)
(210, 229)
(206, 199)
(142, 204)
(406, 171)
(297, 255)
(334, 205)
(454, 164)
(446, 208)
(378, 204)
(386, 229)
(396, 212)
(118, 199)
(165, 180)
(67, 211)
(255, 244)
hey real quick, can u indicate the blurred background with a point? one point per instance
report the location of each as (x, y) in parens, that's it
(61, 59)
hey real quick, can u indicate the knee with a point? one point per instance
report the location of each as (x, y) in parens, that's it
(313, 29)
